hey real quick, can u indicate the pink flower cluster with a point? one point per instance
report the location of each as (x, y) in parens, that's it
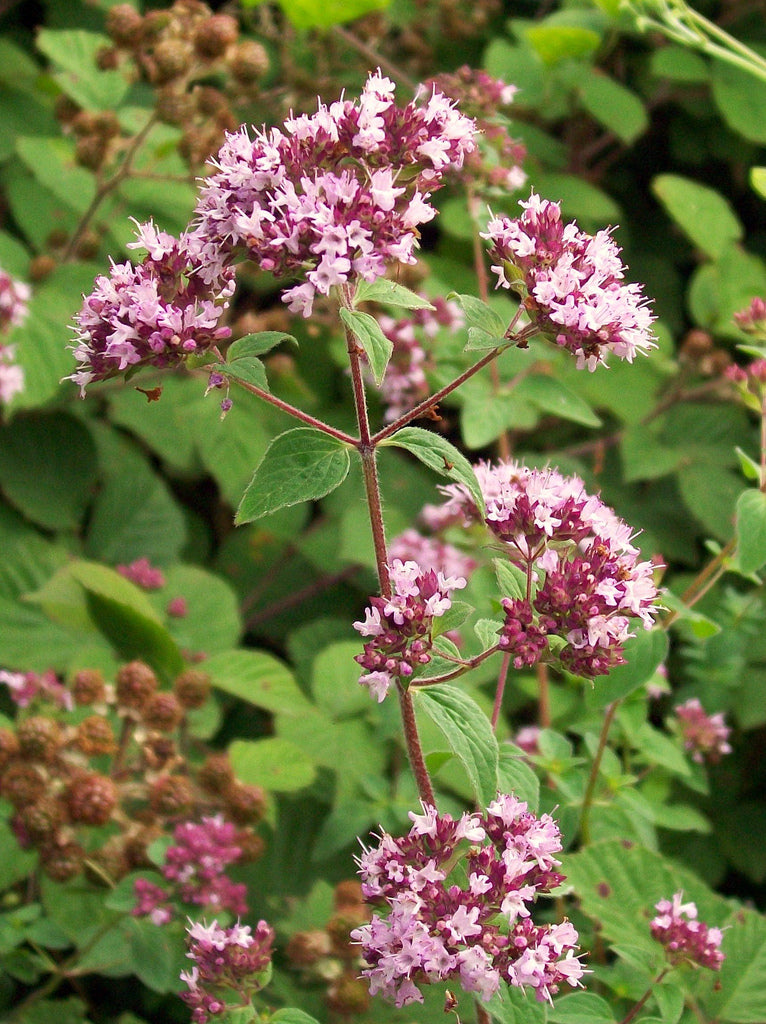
(24, 687)
(196, 866)
(154, 314)
(753, 319)
(405, 383)
(584, 581)
(570, 284)
(226, 962)
(401, 626)
(704, 736)
(472, 924)
(143, 574)
(335, 196)
(687, 940)
(14, 296)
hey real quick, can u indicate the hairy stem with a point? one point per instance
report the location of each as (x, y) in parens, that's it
(414, 748)
(500, 690)
(587, 802)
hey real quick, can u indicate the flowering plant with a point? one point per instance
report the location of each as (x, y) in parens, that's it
(430, 476)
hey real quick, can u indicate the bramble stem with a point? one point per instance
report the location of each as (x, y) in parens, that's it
(642, 1001)
(587, 802)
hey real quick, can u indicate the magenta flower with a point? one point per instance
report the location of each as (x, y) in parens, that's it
(570, 284)
(401, 626)
(430, 553)
(153, 314)
(337, 195)
(704, 736)
(14, 296)
(687, 940)
(585, 583)
(196, 868)
(226, 962)
(753, 319)
(25, 687)
(472, 925)
(143, 574)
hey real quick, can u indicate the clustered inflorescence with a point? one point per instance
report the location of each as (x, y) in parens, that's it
(96, 772)
(704, 736)
(582, 580)
(226, 962)
(686, 940)
(474, 924)
(335, 196)
(155, 314)
(401, 626)
(14, 296)
(570, 283)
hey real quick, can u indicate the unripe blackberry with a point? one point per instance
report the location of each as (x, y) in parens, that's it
(214, 35)
(91, 799)
(135, 685)
(42, 819)
(62, 861)
(95, 736)
(21, 784)
(85, 122)
(90, 151)
(174, 107)
(110, 861)
(124, 25)
(136, 846)
(171, 795)
(108, 58)
(171, 59)
(9, 746)
(245, 805)
(192, 688)
(41, 267)
(88, 245)
(210, 101)
(216, 775)
(88, 686)
(65, 109)
(163, 712)
(305, 948)
(249, 62)
(158, 751)
(154, 23)
(348, 994)
(339, 928)
(39, 738)
(251, 847)
(348, 895)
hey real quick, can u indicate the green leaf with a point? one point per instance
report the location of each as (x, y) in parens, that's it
(679, 65)
(257, 344)
(580, 1008)
(468, 732)
(335, 680)
(52, 162)
(300, 465)
(556, 43)
(612, 105)
(48, 468)
(549, 395)
(75, 52)
(644, 653)
(212, 621)
(484, 417)
(324, 13)
(369, 334)
(154, 961)
(511, 579)
(579, 198)
(247, 369)
(258, 678)
(291, 1015)
(479, 314)
(703, 214)
(390, 293)
(751, 530)
(758, 180)
(741, 98)
(438, 454)
(515, 776)
(274, 763)
(739, 994)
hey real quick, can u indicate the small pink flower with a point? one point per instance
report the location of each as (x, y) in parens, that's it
(687, 940)
(704, 736)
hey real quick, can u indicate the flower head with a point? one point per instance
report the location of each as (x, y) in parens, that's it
(477, 928)
(704, 736)
(570, 284)
(686, 940)
(153, 314)
(333, 196)
(401, 626)
(14, 296)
